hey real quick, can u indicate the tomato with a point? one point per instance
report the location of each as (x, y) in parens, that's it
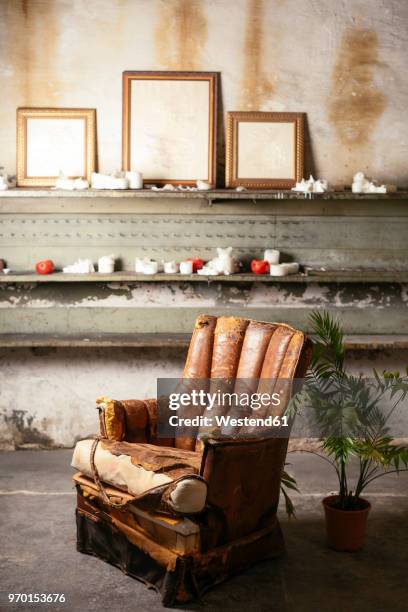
(259, 266)
(46, 266)
(197, 263)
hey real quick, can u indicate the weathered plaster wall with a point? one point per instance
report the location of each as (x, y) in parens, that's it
(343, 63)
(48, 395)
(126, 308)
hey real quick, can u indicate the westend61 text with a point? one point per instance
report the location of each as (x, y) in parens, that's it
(228, 421)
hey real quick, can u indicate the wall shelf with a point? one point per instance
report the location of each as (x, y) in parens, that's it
(215, 195)
(311, 276)
(202, 203)
(151, 340)
(170, 340)
(353, 247)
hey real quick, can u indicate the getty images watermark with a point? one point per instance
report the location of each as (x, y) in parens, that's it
(205, 403)
(275, 407)
(190, 407)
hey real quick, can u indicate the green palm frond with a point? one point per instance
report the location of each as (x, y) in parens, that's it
(329, 349)
(349, 410)
(288, 482)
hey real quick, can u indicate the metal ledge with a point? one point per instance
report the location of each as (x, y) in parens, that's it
(170, 340)
(369, 275)
(214, 194)
(203, 203)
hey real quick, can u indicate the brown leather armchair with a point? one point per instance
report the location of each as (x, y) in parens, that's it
(182, 514)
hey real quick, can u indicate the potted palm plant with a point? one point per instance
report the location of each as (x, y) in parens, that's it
(353, 427)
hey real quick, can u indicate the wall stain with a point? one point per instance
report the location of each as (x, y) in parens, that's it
(23, 432)
(180, 34)
(355, 104)
(256, 87)
(40, 35)
(25, 53)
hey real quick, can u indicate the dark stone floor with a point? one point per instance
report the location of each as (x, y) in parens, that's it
(37, 550)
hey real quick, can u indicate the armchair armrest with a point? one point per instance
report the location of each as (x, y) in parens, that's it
(243, 478)
(111, 418)
(130, 421)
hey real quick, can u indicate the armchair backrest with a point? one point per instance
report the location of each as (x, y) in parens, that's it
(243, 473)
(232, 348)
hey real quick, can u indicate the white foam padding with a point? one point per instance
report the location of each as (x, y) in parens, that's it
(188, 497)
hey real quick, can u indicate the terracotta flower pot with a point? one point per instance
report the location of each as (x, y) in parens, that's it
(345, 528)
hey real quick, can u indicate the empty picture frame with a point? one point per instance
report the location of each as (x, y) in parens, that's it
(54, 140)
(170, 126)
(264, 150)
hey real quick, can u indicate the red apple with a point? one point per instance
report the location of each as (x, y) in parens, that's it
(259, 266)
(46, 266)
(197, 263)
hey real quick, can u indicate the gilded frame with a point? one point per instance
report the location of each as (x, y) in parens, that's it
(212, 78)
(24, 114)
(234, 118)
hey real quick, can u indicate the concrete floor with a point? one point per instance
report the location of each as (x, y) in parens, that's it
(37, 550)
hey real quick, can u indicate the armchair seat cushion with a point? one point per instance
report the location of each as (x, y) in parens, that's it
(135, 468)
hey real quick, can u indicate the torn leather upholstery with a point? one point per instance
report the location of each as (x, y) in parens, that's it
(170, 486)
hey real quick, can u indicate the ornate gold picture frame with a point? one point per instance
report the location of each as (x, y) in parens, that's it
(264, 150)
(54, 140)
(170, 126)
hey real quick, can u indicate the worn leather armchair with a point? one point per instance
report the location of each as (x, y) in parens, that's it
(182, 514)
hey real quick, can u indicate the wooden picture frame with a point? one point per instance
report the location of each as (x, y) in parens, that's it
(53, 140)
(170, 126)
(264, 150)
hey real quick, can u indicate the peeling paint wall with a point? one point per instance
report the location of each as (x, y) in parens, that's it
(81, 308)
(47, 396)
(343, 63)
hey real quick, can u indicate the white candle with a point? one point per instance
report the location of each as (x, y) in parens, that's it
(186, 267)
(170, 267)
(293, 267)
(271, 256)
(283, 269)
(135, 180)
(150, 267)
(139, 265)
(106, 264)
